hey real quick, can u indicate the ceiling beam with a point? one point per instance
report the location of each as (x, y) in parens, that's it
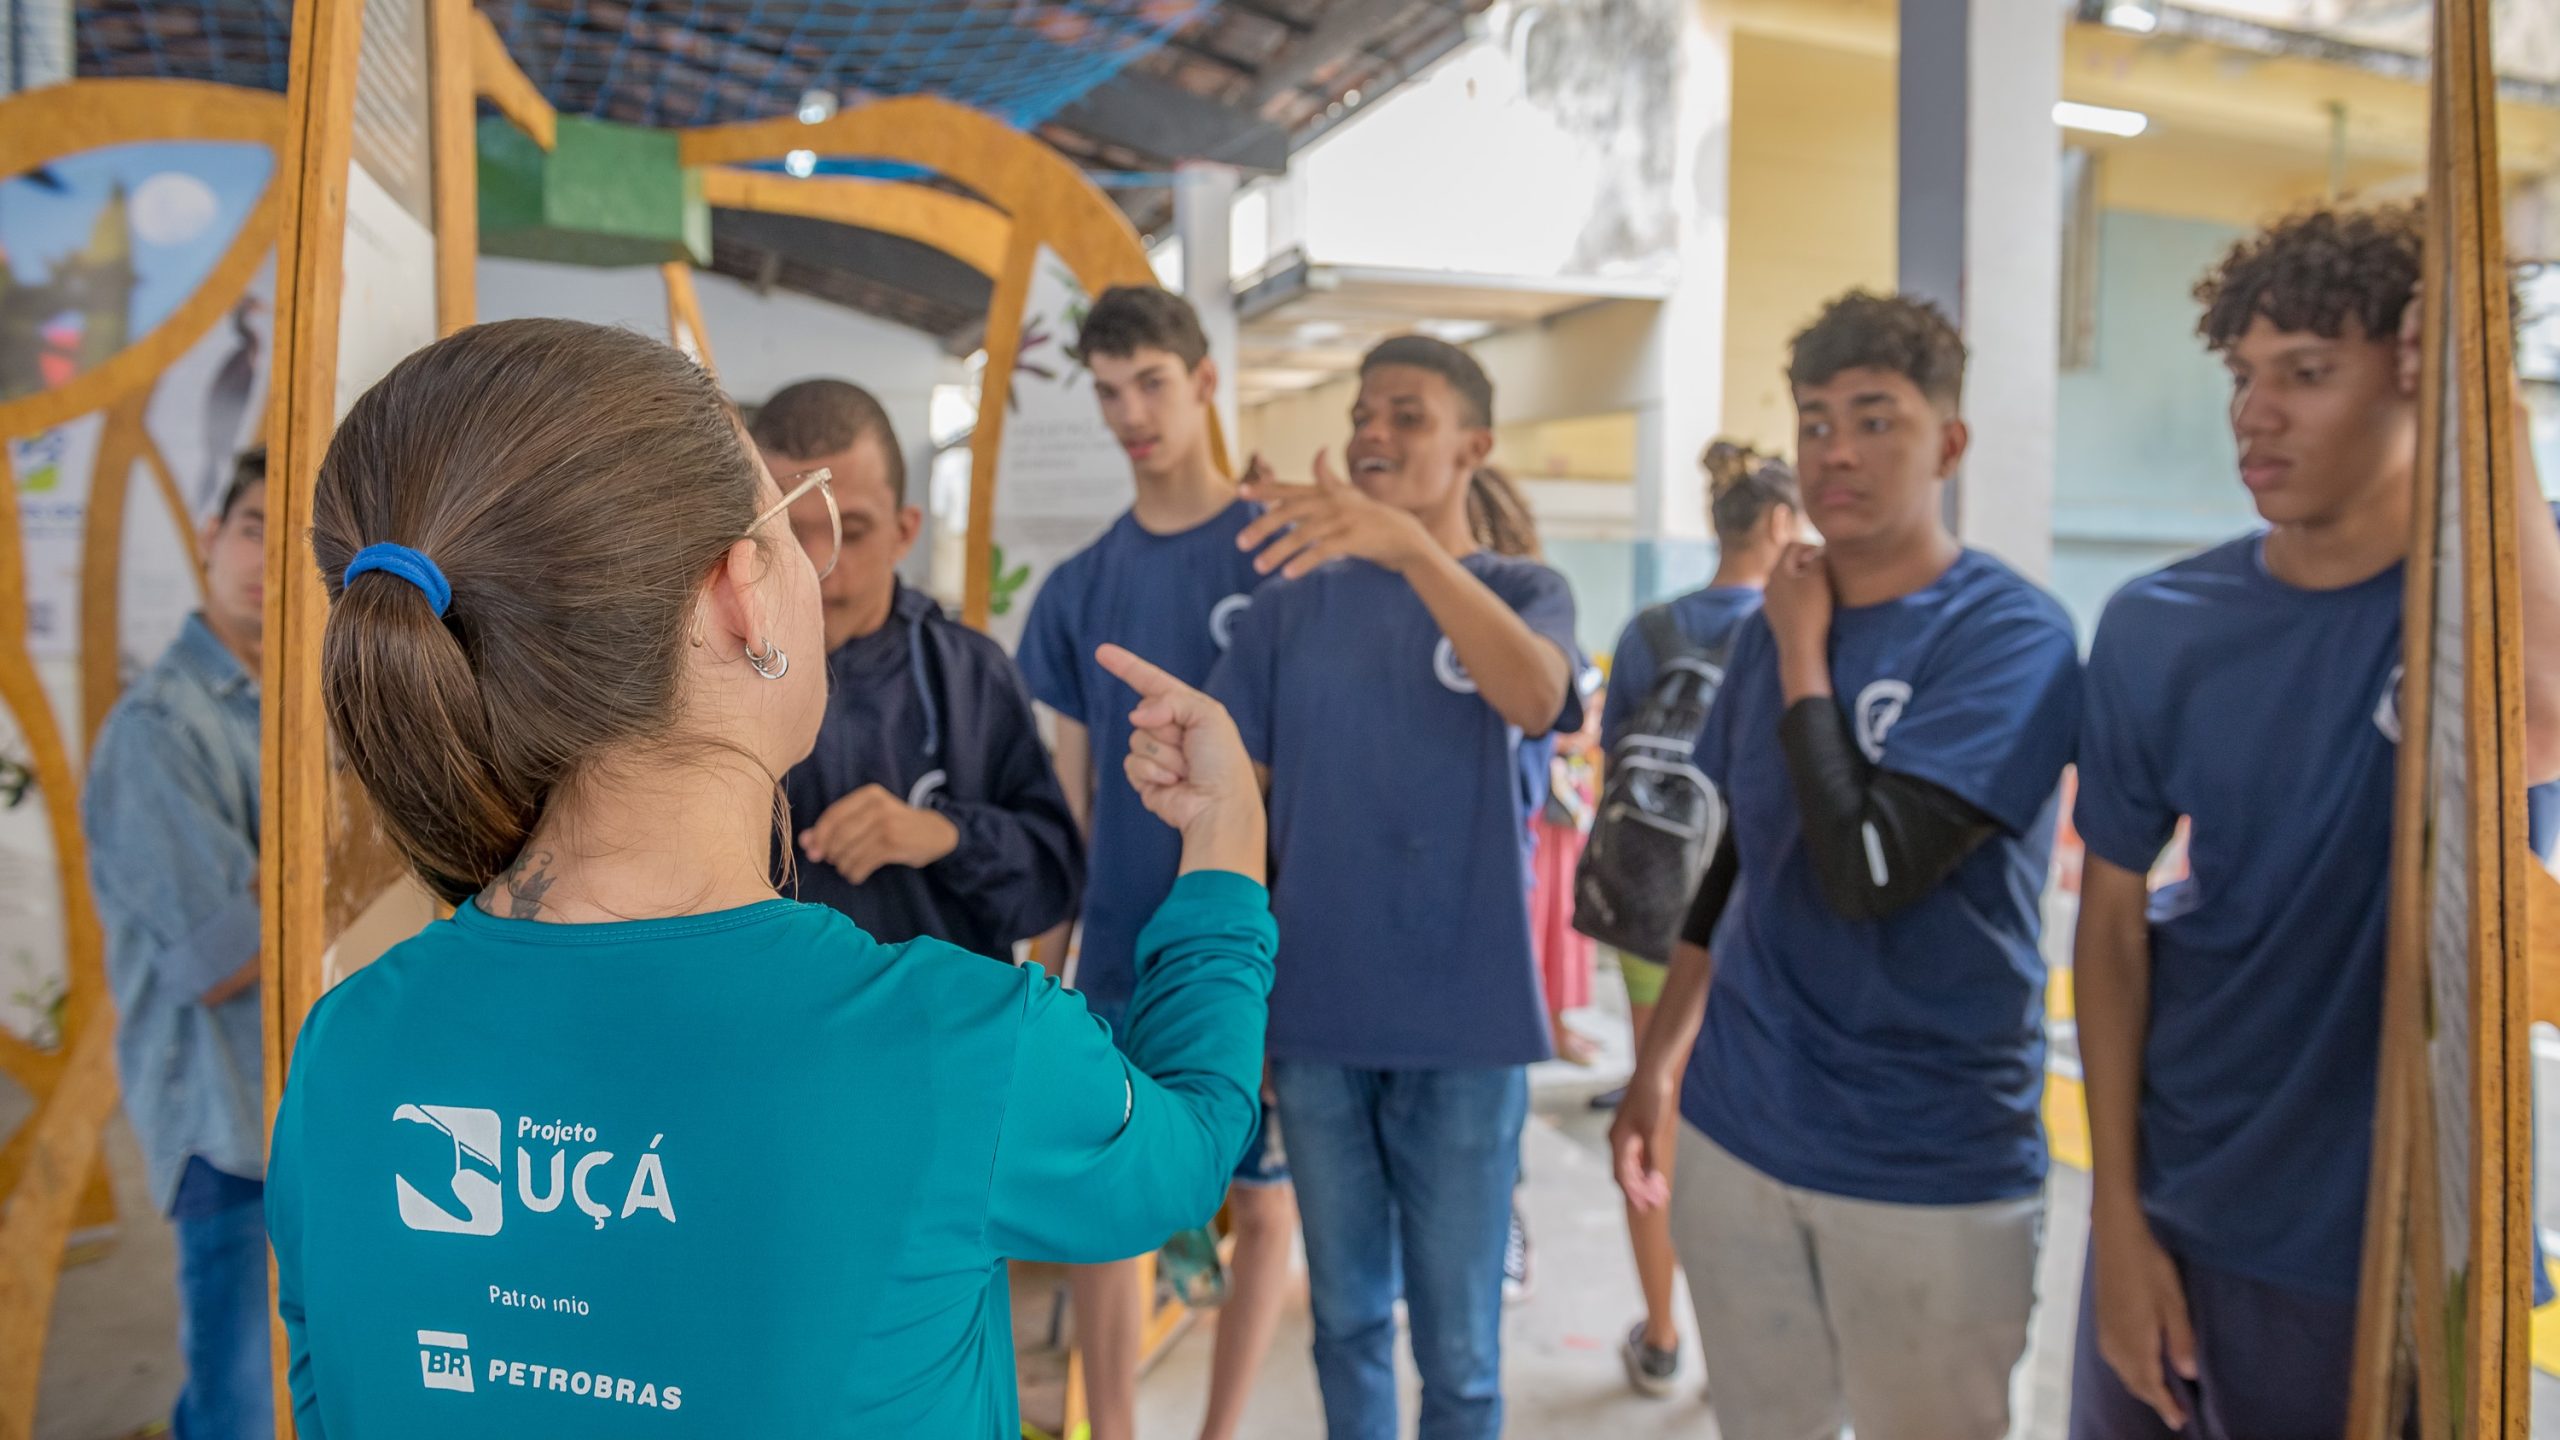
(1159, 118)
(1346, 27)
(1272, 13)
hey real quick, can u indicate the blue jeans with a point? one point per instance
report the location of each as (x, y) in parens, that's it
(1404, 1178)
(222, 1307)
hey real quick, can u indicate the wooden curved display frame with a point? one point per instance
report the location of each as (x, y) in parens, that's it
(92, 114)
(1046, 200)
(51, 1178)
(971, 233)
(123, 443)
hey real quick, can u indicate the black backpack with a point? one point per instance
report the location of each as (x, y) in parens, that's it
(1658, 819)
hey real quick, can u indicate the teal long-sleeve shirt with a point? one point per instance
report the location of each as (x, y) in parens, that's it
(746, 1173)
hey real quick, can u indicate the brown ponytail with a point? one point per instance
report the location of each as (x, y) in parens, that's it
(1499, 518)
(575, 484)
(1742, 486)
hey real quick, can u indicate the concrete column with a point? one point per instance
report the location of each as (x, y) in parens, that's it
(1203, 197)
(1980, 233)
(1686, 353)
(35, 44)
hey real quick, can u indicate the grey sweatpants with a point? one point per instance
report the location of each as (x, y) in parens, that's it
(1816, 1311)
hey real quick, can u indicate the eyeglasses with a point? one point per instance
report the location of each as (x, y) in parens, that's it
(798, 486)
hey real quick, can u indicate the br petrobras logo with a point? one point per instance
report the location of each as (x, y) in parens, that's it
(1222, 618)
(444, 1360)
(444, 1363)
(2386, 710)
(1879, 706)
(474, 1183)
(571, 1166)
(1451, 671)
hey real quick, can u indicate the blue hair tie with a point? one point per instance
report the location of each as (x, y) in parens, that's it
(410, 565)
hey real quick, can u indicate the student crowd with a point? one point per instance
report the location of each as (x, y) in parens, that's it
(1258, 784)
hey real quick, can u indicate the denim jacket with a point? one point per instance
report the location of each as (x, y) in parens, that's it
(171, 810)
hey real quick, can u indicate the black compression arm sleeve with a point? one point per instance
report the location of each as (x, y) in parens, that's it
(1878, 841)
(1707, 907)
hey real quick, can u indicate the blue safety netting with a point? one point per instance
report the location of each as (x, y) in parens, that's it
(694, 62)
(231, 42)
(698, 62)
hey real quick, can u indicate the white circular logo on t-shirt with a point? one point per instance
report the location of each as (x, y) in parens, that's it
(1222, 617)
(2386, 711)
(1879, 706)
(927, 786)
(1452, 672)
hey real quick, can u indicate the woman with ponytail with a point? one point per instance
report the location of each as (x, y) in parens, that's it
(631, 1132)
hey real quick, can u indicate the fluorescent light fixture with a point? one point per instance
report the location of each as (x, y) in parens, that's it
(2134, 15)
(1454, 332)
(801, 163)
(2072, 115)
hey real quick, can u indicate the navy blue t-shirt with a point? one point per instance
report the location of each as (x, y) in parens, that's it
(1706, 617)
(1395, 819)
(2269, 716)
(1900, 1059)
(1174, 600)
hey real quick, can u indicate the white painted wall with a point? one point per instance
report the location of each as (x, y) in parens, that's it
(1592, 361)
(759, 342)
(1513, 155)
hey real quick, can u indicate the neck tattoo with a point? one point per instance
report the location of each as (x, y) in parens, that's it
(523, 885)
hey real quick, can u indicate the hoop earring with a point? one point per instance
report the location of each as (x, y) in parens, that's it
(772, 664)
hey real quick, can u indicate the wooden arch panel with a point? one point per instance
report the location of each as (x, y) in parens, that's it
(41, 126)
(971, 233)
(1049, 201)
(2446, 1276)
(50, 1178)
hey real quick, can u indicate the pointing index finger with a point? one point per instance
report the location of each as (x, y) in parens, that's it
(1143, 676)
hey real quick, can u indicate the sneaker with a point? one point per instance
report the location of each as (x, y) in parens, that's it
(1653, 1372)
(1516, 1280)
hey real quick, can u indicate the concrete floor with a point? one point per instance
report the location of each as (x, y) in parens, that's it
(111, 1367)
(1561, 1375)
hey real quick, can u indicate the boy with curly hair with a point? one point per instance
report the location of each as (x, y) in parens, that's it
(2229, 1025)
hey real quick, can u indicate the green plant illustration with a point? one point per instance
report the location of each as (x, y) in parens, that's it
(1007, 583)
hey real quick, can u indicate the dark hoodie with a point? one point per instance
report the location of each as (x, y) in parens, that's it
(936, 714)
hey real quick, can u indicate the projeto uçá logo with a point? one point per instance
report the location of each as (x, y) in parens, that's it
(478, 1182)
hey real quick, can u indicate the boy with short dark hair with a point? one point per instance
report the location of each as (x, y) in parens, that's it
(1861, 1163)
(1165, 581)
(1388, 688)
(927, 807)
(2230, 1024)
(171, 811)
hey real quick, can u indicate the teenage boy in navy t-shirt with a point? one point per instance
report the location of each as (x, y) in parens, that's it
(2230, 1024)
(1388, 688)
(1860, 1163)
(1169, 582)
